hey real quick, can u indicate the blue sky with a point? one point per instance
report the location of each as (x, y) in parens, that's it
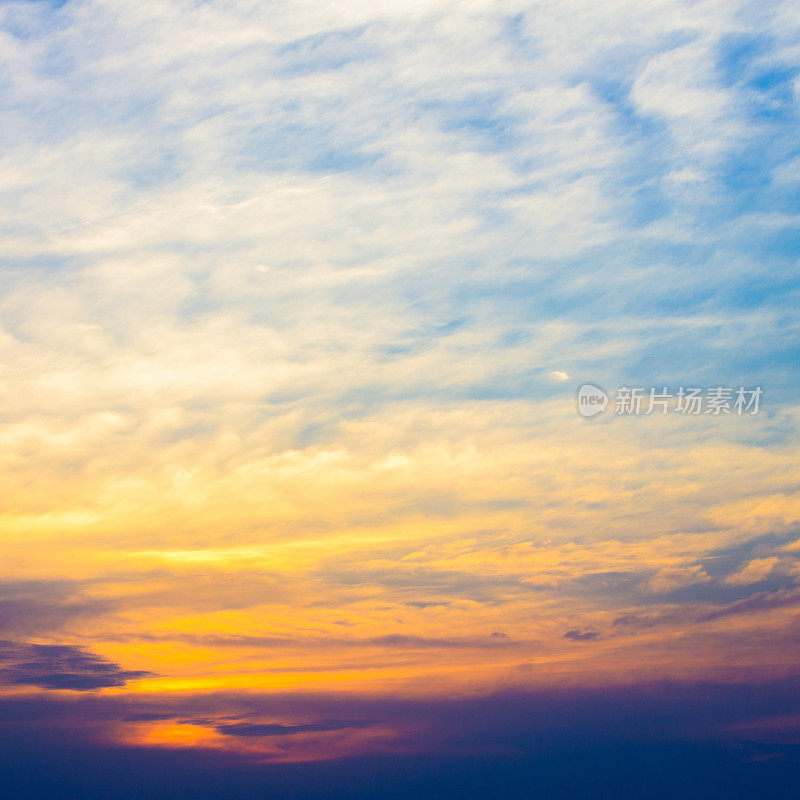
(497, 168)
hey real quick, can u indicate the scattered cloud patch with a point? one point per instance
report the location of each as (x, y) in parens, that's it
(577, 635)
(247, 729)
(58, 667)
(754, 571)
(670, 579)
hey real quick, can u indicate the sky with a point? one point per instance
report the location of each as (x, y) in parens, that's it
(296, 495)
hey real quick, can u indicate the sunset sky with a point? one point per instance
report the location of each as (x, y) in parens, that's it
(295, 301)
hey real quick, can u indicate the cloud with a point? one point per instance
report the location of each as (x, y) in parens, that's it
(514, 720)
(57, 667)
(556, 741)
(764, 601)
(392, 641)
(411, 642)
(669, 579)
(43, 606)
(693, 614)
(753, 572)
(576, 635)
(274, 729)
(639, 622)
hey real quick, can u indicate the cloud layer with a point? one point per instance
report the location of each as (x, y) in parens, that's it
(295, 301)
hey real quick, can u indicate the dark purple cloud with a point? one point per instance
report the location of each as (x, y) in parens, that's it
(689, 614)
(657, 740)
(59, 667)
(763, 601)
(576, 635)
(275, 729)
